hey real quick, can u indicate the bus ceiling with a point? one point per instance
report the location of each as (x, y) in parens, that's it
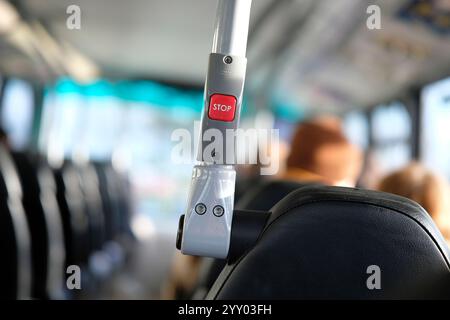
(318, 54)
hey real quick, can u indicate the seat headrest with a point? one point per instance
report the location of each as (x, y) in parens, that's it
(265, 195)
(339, 243)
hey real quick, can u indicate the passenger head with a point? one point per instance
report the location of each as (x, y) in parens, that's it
(421, 185)
(320, 152)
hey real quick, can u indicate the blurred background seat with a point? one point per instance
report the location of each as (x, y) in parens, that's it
(47, 250)
(16, 239)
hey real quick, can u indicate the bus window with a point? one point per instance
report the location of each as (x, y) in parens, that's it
(435, 137)
(61, 122)
(391, 132)
(97, 122)
(103, 117)
(356, 127)
(17, 112)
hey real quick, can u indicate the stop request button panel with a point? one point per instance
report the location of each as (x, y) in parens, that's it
(222, 107)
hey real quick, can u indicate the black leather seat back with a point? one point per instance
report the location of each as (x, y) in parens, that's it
(46, 230)
(320, 241)
(36, 221)
(72, 209)
(109, 195)
(8, 247)
(124, 201)
(118, 190)
(265, 195)
(89, 185)
(15, 246)
(57, 254)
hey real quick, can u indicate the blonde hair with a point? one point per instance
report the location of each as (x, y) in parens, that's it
(424, 187)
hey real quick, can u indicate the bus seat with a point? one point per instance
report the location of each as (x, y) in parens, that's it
(125, 203)
(265, 195)
(109, 192)
(44, 220)
(260, 198)
(82, 215)
(57, 253)
(73, 216)
(16, 267)
(37, 223)
(323, 243)
(89, 184)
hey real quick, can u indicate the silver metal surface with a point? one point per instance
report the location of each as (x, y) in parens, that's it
(208, 234)
(231, 29)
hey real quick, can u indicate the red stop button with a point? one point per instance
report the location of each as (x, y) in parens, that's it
(222, 107)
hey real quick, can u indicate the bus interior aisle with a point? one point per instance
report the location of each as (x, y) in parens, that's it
(339, 152)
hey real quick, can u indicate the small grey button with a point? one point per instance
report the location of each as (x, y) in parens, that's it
(200, 208)
(218, 211)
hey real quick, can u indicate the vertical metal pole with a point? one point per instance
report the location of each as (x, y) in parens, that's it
(231, 29)
(205, 229)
